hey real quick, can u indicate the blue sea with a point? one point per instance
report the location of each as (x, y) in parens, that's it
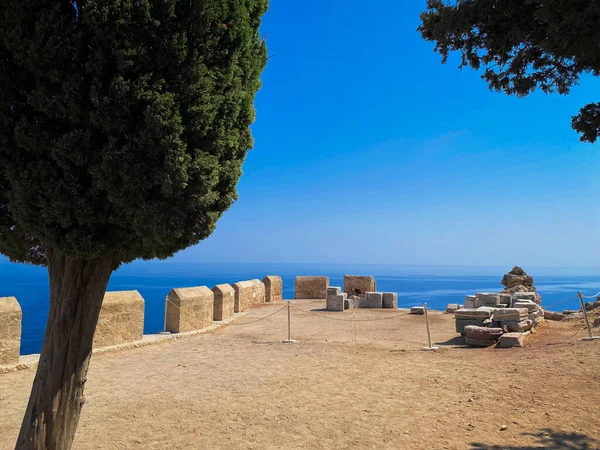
(415, 285)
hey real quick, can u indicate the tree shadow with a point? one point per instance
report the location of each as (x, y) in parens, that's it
(549, 439)
(457, 340)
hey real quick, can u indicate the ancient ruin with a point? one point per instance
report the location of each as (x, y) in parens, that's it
(359, 285)
(338, 301)
(121, 319)
(487, 316)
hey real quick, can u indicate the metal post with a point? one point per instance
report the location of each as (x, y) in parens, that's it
(289, 340)
(430, 348)
(590, 337)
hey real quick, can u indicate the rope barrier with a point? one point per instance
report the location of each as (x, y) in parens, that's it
(592, 296)
(349, 320)
(559, 302)
(257, 320)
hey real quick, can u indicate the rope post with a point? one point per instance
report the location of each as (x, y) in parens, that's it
(429, 348)
(590, 337)
(289, 340)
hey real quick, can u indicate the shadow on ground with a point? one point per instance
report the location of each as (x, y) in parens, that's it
(457, 340)
(549, 439)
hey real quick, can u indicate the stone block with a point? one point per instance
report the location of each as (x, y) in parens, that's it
(224, 302)
(121, 319)
(417, 310)
(525, 296)
(348, 303)
(336, 302)
(10, 330)
(471, 302)
(529, 304)
(509, 314)
(510, 340)
(488, 298)
(273, 288)
(514, 326)
(359, 285)
(374, 299)
(461, 324)
(311, 287)
(551, 315)
(452, 307)
(505, 299)
(479, 313)
(390, 300)
(333, 291)
(189, 309)
(477, 332)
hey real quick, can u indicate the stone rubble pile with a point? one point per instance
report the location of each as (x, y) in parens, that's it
(502, 319)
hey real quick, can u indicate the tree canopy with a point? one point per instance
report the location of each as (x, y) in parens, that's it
(123, 124)
(523, 45)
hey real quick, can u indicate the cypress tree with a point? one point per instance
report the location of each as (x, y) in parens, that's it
(123, 128)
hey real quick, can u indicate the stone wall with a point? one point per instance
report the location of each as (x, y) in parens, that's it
(273, 288)
(224, 301)
(10, 330)
(121, 319)
(189, 309)
(359, 285)
(311, 287)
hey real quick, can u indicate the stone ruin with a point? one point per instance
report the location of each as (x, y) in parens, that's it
(359, 292)
(503, 319)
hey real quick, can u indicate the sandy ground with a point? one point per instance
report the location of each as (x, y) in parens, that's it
(241, 387)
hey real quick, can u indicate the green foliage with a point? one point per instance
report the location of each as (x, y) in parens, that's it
(523, 45)
(123, 123)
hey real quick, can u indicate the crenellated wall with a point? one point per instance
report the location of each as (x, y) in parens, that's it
(121, 319)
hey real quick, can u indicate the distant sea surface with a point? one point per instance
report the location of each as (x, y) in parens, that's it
(436, 286)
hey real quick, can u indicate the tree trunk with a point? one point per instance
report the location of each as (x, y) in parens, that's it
(77, 288)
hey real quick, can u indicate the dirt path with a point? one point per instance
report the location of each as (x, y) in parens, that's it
(240, 387)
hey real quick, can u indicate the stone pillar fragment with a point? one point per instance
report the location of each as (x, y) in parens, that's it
(336, 302)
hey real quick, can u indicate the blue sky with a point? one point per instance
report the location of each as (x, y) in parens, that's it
(368, 150)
